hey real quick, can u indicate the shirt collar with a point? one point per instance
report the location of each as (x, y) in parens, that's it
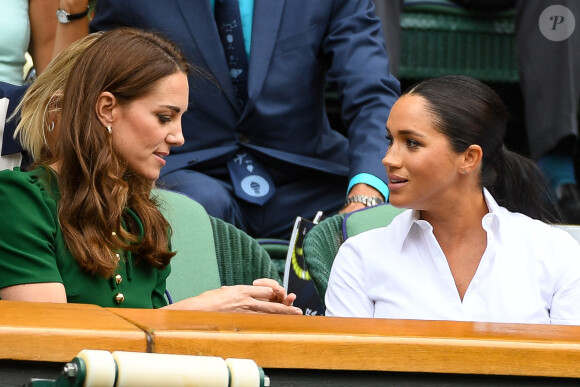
(489, 222)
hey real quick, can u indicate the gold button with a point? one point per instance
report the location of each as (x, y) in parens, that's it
(118, 279)
(119, 298)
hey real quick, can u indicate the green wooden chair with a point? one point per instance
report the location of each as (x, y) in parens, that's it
(210, 252)
(323, 241)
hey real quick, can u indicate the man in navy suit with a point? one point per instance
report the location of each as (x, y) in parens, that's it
(279, 132)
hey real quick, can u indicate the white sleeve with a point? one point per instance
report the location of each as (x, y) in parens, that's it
(565, 308)
(346, 295)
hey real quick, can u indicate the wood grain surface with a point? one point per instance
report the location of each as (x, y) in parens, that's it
(308, 342)
(58, 332)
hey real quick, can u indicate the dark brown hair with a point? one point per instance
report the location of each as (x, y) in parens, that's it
(96, 187)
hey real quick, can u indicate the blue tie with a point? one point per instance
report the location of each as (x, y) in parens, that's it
(229, 24)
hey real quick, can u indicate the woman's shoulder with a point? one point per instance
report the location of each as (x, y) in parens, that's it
(537, 233)
(38, 177)
(19, 185)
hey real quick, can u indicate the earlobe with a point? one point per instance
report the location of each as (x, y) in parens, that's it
(106, 103)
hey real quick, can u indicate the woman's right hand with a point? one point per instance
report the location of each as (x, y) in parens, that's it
(267, 296)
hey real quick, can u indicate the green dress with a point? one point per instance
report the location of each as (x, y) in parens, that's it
(32, 249)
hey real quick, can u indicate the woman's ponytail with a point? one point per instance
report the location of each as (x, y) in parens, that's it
(517, 184)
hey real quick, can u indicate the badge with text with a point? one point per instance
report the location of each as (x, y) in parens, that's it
(250, 179)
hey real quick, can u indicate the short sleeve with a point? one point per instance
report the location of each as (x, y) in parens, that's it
(346, 295)
(28, 227)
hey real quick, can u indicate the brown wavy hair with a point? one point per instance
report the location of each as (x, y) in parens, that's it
(96, 186)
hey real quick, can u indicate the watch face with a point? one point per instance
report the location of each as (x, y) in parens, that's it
(62, 16)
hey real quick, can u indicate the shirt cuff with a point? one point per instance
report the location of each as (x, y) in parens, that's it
(373, 181)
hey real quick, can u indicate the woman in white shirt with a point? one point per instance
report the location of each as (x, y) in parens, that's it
(475, 244)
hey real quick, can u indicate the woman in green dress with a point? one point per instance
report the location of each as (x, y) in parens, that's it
(82, 226)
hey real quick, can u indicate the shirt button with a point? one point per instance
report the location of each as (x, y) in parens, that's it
(119, 298)
(118, 279)
(243, 139)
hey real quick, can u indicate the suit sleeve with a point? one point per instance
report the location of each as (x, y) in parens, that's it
(359, 69)
(111, 14)
(14, 95)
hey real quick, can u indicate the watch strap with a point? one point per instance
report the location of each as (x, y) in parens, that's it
(368, 201)
(73, 16)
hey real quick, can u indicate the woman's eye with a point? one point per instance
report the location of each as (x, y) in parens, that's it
(389, 139)
(412, 143)
(163, 118)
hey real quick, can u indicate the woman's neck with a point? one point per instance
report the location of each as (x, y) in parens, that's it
(457, 217)
(461, 236)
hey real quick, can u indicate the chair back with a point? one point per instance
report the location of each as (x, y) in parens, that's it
(241, 259)
(321, 244)
(277, 250)
(194, 269)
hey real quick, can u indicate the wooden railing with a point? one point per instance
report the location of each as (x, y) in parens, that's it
(57, 332)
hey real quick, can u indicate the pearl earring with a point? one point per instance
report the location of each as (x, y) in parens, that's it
(109, 129)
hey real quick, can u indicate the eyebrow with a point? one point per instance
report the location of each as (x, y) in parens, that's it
(174, 108)
(408, 132)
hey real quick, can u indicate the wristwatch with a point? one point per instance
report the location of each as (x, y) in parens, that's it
(368, 201)
(64, 17)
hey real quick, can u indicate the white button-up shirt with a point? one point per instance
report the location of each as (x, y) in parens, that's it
(529, 273)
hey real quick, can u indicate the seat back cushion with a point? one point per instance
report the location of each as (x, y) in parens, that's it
(194, 268)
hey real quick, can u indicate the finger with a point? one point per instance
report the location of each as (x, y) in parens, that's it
(280, 293)
(266, 282)
(274, 308)
(263, 293)
(260, 281)
(273, 294)
(289, 300)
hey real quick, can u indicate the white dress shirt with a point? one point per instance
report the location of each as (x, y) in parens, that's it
(529, 273)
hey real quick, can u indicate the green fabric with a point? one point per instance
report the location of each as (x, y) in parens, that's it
(320, 247)
(240, 257)
(369, 218)
(32, 248)
(277, 250)
(194, 267)
(439, 38)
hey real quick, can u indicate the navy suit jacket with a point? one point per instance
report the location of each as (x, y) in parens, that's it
(298, 47)
(14, 95)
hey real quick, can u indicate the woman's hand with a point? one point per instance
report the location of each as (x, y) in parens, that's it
(264, 296)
